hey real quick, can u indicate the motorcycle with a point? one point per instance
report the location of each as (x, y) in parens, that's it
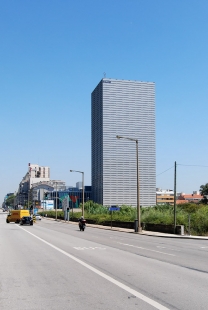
(82, 225)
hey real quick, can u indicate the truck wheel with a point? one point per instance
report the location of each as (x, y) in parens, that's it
(7, 221)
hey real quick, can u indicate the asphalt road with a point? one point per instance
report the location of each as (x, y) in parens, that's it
(52, 265)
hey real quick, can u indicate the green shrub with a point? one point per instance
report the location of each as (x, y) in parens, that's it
(159, 214)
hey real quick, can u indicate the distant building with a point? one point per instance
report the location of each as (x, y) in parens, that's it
(79, 185)
(42, 187)
(74, 194)
(164, 196)
(125, 108)
(167, 197)
(38, 173)
(184, 198)
(35, 174)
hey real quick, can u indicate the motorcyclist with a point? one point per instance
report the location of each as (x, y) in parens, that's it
(81, 219)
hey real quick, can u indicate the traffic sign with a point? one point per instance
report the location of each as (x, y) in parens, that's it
(114, 208)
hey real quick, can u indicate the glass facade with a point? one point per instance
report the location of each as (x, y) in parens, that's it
(74, 194)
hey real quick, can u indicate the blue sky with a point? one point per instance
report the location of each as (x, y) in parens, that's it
(53, 54)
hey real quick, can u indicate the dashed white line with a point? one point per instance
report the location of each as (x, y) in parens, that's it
(163, 247)
(144, 298)
(139, 247)
(89, 248)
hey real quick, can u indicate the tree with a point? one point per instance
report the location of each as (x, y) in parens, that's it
(204, 189)
(204, 192)
(10, 200)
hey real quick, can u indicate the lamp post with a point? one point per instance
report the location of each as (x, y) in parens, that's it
(56, 201)
(30, 193)
(82, 189)
(28, 198)
(139, 229)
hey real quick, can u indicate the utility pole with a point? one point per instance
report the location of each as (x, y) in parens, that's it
(83, 194)
(175, 198)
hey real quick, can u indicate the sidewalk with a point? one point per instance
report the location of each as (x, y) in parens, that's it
(143, 233)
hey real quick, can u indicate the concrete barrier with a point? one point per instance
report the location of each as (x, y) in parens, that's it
(163, 228)
(180, 230)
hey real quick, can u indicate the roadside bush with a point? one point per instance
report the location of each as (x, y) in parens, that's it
(94, 208)
(159, 214)
(199, 221)
(189, 207)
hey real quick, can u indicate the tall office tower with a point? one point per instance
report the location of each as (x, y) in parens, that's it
(124, 108)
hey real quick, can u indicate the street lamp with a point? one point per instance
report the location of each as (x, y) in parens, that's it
(56, 201)
(139, 229)
(82, 189)
(30, 195)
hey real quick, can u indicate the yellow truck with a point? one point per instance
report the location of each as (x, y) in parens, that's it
(16, 215)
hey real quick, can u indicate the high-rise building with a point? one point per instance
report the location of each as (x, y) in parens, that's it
(125, 108)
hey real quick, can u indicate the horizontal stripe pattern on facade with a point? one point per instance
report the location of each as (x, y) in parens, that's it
(124, 108)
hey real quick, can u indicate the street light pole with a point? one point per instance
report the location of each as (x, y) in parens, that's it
(83, 194)
(175, 198)
(138, 190)
(31, 194)
(28, 198)
(32, 201)
(56, 201)
(138, 193)
(82, 189)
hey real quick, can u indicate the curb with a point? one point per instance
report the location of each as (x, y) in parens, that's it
(131, 231)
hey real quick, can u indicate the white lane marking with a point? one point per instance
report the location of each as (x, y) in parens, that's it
(203, 247)
(138, 247)
(103, 275)
(90, 248)
(163, 247)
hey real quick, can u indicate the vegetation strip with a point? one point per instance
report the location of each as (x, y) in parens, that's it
(160, 214)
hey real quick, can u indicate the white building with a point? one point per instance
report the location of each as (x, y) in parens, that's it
(164, 196)
(36, 171)
(35, 174)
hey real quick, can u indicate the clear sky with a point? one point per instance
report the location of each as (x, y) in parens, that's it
(54, 52)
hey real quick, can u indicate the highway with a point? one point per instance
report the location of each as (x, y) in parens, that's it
(53, 266)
